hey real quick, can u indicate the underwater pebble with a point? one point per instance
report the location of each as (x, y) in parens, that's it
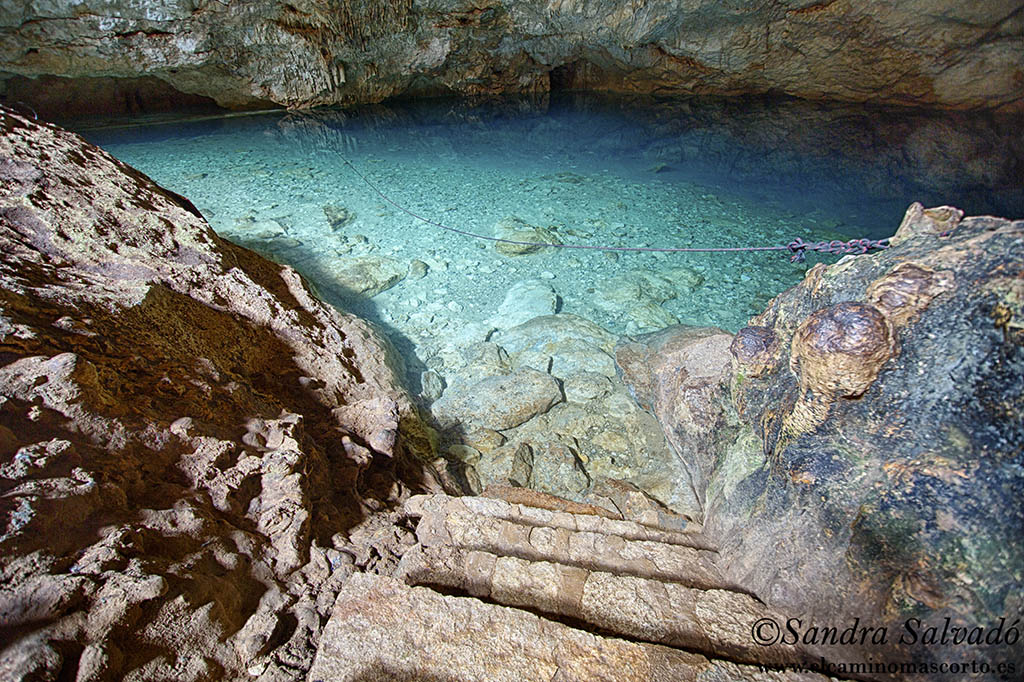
(547, 275)
(464, 453)
(454, 306)
(432, 385)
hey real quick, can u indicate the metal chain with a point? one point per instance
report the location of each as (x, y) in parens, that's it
(797, 247)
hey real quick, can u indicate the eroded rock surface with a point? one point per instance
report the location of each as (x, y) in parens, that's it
(640, 585)
(540, 406)
(382, 630)
(194, 451)
(308, 52)
(677, 374)
(861, 457)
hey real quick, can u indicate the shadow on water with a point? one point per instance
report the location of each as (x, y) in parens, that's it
(308, 263)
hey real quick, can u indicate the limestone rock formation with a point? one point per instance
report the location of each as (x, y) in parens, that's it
(677, 374)
(502, 402)
(540, 406)
(525, 300)
(130, 55)
(363, 275)
(860, 455)
(384, 631)
(194, 451)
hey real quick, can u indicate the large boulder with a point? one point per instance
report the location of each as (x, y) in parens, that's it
(677, 374)
(861, 457)
(122, 53)
(194, 451)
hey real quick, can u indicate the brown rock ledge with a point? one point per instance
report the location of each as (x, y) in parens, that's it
(194, 451)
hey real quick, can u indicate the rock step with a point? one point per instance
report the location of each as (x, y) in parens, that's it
(492, 526)
(712, 621)
(381, 629)
(574, 566)
(599, 521)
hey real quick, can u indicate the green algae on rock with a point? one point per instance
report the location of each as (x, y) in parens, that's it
(862, 455)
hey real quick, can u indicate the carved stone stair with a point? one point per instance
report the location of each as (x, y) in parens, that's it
(498, 590)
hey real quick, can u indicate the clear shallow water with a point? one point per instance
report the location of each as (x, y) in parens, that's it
(637, 172)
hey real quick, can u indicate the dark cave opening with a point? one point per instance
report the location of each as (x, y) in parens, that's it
(57, 98)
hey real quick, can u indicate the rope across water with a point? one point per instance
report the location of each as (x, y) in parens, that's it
(797, 248)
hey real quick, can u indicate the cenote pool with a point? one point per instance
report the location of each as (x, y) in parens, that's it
(578, 169)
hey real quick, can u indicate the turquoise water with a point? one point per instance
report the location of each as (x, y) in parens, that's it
(588, 170)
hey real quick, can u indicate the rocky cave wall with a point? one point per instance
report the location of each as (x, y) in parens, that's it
(301, 53)
(857, 449)
(189, 437)
(194, 451)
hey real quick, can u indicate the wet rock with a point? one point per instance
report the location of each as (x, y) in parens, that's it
(633, 288)
(433, 385)
(684, 279)
(262, 229)
(338, 217)
(838, 351)
(484, 439)
(634, 504)
(558, 470)
(363, 275)
(586, 386)
(756, 350)
(598, 433)
(500, 402)
(635, 297)
(648, 317)
(524, 301)
(564, 344)
(604, 436)
(417, 269)
(904, 292)
(507, 465)
(481, 360)
(678, 374)
(184, 427)
(865, 463)
(515, 230)
(921, 221)
(533, 498)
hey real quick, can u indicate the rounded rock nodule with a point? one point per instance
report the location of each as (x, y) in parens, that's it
(838, 351)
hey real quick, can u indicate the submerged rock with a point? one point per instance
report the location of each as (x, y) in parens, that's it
(362, 275)
(634, 298)
(564, 344)
(525, 300)
(599, 432)
(338, 217)
(190, 443)
(532, 238)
